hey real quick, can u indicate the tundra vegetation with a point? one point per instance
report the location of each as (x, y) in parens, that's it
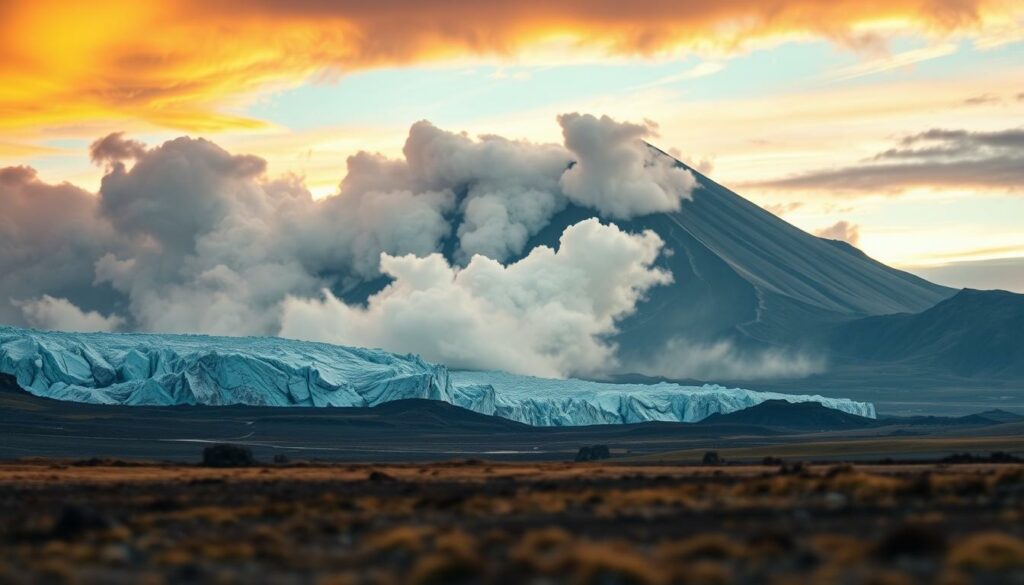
(106, 521)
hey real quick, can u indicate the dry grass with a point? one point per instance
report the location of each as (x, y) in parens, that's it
(512, 523)
(988, 551)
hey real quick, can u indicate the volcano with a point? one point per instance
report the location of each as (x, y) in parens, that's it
(743, 274)
(747, 279)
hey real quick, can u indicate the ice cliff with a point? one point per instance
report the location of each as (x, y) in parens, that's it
(121, 368)
(142, 369)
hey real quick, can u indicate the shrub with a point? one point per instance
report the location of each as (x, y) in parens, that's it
(440, 569)
(380, 477)
(76, 520)
(593, 453)
(837, 470)
(228, 456)
(912, 540)
(712, 458)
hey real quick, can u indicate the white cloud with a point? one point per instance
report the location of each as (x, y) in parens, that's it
(48, 312)
(548, 314)
(843, 231)
(722, 360)
(888, 62)
(509, 189)
(616, 173)
(699, 70)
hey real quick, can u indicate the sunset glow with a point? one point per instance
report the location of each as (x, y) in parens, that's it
(771, 98)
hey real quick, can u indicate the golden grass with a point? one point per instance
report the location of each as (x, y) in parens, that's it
(988, 551)
(594, 523)
(853, 448)
(704, 546)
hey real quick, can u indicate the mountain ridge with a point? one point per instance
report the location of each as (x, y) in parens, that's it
(973, 333)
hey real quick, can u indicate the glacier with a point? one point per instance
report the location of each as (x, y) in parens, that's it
(152, 369)
(546, 402)
(166, 369)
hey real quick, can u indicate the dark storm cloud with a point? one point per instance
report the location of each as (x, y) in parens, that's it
(187, 237)
(50, 236)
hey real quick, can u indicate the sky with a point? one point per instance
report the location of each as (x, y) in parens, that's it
(897, 126)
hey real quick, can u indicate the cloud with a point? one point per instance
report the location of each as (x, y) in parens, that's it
(179, 190)
(888, 62)
(506, 191)
(703, 69)
(781, 209)
(937, 158)
(115, 148)
(618, 174)
(188, 64)
(511, 187)
(956, 143)
(843, 231)
(50, 236)
(548, 314)
(703, 165)
(722, 360)
(217, 245)
(48, 312)
(188, 237)
(982, 100)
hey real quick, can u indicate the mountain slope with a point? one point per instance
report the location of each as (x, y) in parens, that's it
(973, 333)
(742, 273)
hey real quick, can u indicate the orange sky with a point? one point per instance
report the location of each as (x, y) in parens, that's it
(185, 65)
(230, 70)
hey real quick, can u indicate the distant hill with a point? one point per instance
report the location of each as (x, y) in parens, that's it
(419, 430)
(401, 430)
(805, 416)
(409, 415)
(987, 418)
(973, 333)
(812, 416)
(1000, 416)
